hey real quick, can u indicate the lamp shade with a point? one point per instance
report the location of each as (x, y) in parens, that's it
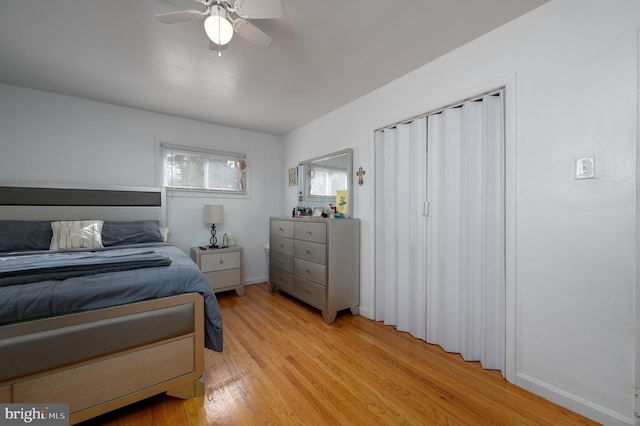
(217, 27)
(212, 213)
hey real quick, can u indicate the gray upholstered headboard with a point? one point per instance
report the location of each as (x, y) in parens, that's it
(66, 202)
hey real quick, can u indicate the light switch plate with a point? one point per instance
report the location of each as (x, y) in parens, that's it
(585, 168)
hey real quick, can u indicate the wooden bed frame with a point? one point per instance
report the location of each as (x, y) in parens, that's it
(108, 376)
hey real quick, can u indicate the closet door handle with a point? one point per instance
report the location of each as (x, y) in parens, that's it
(425, 209)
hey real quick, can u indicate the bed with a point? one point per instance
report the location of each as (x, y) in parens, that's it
(98, 339)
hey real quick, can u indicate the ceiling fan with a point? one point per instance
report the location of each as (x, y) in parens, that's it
(222, 19)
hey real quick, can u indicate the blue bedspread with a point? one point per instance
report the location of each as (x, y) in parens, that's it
(63, 265)
(59, 297)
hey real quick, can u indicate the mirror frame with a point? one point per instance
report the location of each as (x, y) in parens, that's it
(302, 178)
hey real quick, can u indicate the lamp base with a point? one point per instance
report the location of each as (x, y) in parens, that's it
(213, 242)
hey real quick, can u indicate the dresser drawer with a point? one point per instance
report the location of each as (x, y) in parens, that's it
(309, 291)
(281, 244)
(315, 252)
(281, 279)
(311, 271)
(311, 231)
(222, 279)
(210, 262)
(282, 228)
(282, 261)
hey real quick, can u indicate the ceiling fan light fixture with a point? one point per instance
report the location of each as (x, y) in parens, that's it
(218, 27)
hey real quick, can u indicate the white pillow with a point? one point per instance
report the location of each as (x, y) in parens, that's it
(76, 234)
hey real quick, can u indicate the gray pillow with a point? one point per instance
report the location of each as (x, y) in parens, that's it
(134, 232)
(19, 235)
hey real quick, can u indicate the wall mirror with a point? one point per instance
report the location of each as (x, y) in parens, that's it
(320, 178)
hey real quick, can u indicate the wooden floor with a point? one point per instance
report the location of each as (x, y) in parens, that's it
(282, 365)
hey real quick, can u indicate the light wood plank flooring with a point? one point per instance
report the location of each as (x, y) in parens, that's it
(282, 365)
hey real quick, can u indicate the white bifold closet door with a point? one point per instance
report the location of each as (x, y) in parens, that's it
(440, 268)
(401, 177)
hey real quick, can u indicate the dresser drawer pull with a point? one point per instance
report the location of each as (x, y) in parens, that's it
(281, 245)
(308, 251)
(308, 272)
(221, 261)
(281, 229)
(307, 290)
(309, 232)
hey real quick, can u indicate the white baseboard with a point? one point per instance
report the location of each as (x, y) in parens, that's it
(365, 312)
(249, 281)
(572, 402)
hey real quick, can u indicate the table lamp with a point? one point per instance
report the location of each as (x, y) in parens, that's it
(213, 215)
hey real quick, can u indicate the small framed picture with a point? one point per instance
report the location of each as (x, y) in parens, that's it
(317, 211)
(293, 176)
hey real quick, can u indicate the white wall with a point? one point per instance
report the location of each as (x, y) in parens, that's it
(50, 138)
(575, 67)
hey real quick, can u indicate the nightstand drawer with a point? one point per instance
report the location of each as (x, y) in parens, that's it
(211, 262)
(221, 279)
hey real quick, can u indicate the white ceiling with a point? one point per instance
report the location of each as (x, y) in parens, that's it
(325, 54)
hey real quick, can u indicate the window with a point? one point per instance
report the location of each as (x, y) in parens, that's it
(325, 181)
(193, 169)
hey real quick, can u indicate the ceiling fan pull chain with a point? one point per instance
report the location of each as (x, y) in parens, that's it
(219, 38)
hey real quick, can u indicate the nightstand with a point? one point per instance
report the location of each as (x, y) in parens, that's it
(223, 267)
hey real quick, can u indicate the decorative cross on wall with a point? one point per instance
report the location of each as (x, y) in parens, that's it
(360, 174)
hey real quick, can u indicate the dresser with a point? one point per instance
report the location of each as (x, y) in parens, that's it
(223, 267)
(317, 261)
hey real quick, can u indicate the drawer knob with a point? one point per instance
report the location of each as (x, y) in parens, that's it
(308, 271)
(308, 251)
(309, 232)
(281, 229)
(221, 261)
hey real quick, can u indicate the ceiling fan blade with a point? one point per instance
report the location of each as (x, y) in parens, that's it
(217, 47)
(181, 16)
(259, 9)
(252, 34)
